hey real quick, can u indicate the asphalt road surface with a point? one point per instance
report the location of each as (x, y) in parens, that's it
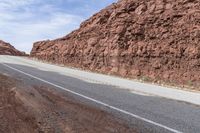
(149, 113)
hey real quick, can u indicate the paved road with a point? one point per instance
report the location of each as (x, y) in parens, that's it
(148, 112)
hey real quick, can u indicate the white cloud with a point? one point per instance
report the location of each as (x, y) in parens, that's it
(22, 28)
(23, 22)
(24, 34)
(5, 4)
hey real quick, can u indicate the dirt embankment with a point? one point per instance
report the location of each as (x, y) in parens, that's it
(8, 49)
(152, 40)
(27, 109)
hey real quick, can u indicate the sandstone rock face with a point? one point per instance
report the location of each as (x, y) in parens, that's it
(8, 49)
(158, 39)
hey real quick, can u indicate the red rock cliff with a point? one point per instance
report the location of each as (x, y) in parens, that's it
(157, 39)
(8, 49)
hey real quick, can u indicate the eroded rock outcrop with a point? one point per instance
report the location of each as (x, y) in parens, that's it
(155, 39)
(8, 49)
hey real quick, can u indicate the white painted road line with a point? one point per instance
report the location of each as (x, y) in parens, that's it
(147, 88)
(96, 101)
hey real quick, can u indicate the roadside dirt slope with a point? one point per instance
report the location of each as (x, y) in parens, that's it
(33, 109)
(8, 49)
(156, 40)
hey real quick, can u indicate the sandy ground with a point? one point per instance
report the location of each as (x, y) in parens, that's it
(36, 109)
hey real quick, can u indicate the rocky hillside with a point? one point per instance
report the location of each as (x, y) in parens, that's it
(8, 49)
(155, 40)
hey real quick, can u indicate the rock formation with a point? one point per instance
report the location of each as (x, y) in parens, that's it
(8, 49)
(151, 39)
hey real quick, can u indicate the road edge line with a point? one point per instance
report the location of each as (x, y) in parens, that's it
(96, 101)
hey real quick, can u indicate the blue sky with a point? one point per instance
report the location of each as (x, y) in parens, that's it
(23, 22)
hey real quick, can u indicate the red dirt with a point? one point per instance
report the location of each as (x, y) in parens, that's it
(27, 109)
(154, 40)
(8, 49)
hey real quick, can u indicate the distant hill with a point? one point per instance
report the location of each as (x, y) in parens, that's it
(8, 49)
(157, 40)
